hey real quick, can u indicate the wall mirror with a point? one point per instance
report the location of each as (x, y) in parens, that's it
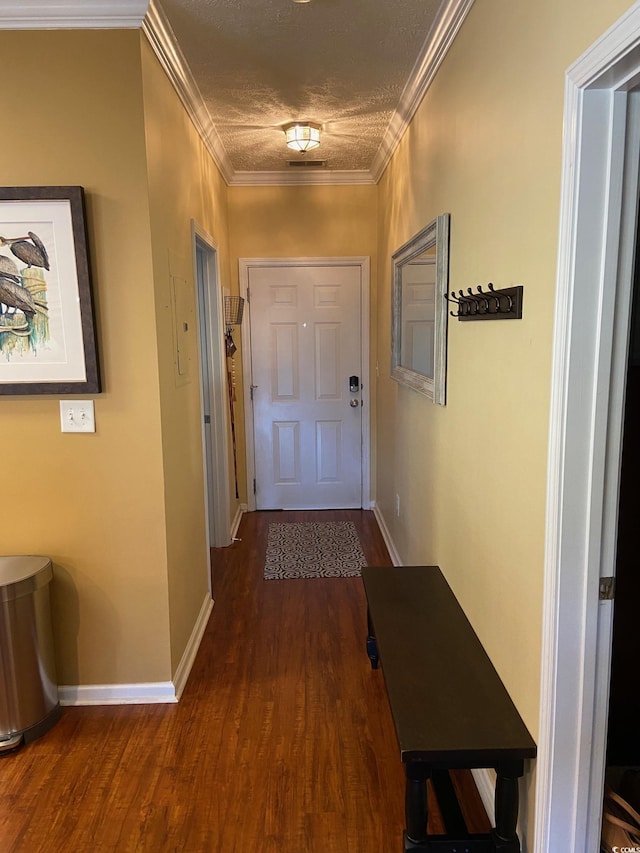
(420, 280)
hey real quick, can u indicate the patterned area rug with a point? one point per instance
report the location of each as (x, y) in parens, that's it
(313, 550)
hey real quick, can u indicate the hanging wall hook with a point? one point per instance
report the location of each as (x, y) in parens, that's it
(491, 304)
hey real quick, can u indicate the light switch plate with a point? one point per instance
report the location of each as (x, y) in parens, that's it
(77, 416)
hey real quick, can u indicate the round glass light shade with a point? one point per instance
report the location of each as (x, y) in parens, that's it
(302, 136)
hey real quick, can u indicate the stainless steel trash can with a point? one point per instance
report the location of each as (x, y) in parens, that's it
(29, 703)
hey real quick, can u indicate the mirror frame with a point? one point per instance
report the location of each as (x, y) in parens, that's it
(436, 234)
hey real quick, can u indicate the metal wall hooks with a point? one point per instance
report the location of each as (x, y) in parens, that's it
(491, 304)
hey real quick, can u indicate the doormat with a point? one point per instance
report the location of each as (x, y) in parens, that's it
(313, 550)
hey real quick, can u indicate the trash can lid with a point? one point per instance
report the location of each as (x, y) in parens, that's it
(14, 570)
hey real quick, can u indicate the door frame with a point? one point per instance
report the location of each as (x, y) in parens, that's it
(599, 196)
(213, 383)
(363, 262)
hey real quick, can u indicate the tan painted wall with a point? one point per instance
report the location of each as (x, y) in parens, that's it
(93, 503)
(319, 221)
(184, 184)
(120, 512)
(485, 146)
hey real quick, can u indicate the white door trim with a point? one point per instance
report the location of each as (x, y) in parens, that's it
(589, 359)
(245, 264)
(213, 311)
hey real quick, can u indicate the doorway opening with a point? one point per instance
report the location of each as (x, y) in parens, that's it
(213, 389)
(623, 731)
(593, 306)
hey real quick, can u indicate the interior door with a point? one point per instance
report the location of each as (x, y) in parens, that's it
(307, 402)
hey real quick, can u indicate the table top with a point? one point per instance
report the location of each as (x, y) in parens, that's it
(447, 700)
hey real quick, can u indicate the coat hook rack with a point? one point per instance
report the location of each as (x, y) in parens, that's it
(491, 304)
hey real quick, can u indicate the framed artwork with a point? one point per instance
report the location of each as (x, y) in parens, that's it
(47, 325)
(419, 281)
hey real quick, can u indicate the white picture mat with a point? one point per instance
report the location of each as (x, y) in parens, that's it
(61, 358)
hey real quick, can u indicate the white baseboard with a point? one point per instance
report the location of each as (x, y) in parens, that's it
(485, 780)
(183, 669)
(236, 521)
(388, 541)
(149, 693)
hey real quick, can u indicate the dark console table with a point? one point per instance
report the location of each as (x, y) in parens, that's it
(450, 708)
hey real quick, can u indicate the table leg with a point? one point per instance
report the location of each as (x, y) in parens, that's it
(507, 801)
(372, 646)
(415, 801)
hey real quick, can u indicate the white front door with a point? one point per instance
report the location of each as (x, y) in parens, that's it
(306, 375)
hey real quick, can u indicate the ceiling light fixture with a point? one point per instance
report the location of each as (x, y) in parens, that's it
(301, 1)
(302, 135)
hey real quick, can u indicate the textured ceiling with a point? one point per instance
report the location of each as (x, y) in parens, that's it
(245, 68)
(259, 64)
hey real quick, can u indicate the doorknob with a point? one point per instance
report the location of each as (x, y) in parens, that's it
(354, 403)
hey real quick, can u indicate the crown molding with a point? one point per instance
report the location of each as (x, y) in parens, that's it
(294, 178)
(441, 35)
(162, 39)
(72, 14)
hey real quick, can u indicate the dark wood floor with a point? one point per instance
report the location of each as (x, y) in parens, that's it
(282, 741)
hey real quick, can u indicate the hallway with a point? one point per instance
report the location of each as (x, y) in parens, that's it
(282, 741)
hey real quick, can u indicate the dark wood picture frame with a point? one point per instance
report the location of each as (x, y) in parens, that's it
(47, 323)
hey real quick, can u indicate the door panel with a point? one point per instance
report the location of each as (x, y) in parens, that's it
(286, 453)
(327, 362)
(328, 451)
(305, 344)
(284, 362)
